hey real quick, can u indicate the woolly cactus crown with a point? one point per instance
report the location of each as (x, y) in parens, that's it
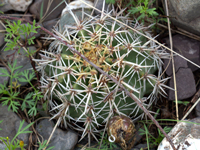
(77, 92)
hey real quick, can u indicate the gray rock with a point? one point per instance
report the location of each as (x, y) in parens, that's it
(18, 5)
(10, 125)
(187, 17)
(2, 145)
(197, 108)
(188, 48)
(28, 17)
(184, 135)
(50, 24)
(3, 79)
(187, 10)
(35, 8)
(2, 35)
(62, 140)
(99, 5)
(179, 62)
(185, 84)
(67, 18)
(22, 59)
(56, 7)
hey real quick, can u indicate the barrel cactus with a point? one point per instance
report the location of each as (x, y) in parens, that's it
(84, 98)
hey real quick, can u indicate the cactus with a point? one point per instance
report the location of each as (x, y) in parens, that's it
(84, 98)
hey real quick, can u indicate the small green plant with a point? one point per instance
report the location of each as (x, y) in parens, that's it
(43, 145)
(143, 9)
(150, 138)
(10, 94)
(110, 1)
(0, 6)
(18, 29)
(1, 122)
(15, 143)
(106, 145)
(182, 102)
(15, 31)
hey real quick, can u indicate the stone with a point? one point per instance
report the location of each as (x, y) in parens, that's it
(187, 17)
(179, 62)
(61, 140)
(68, 20)
(3, 79)
(2, 34)
(18, 5)
(22, 59)
(184, 135)
(187, 10)
(53, 12)
(189, 48)
(67, 17)
(2, 145)
(35, 8)
(77, 5)
(197, 108)
(185, 84)
(99, 5)
(27, 17)
(50, 24)
(10, 125)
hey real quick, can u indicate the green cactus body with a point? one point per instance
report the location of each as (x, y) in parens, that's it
(79, 93)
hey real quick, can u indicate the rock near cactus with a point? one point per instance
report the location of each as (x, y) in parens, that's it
(82, 96)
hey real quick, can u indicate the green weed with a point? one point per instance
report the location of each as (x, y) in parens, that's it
(110, 1)
(10, 94)
(150, 138)
(16, 143)
(18, 29)
(182, 102)
(106, 144)
(142, 7)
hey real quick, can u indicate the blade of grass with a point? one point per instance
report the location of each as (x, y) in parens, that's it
(41, 9)
(173, 67)
(191, 109)
(192, 102)
(57, 123)
(173, 120)
(48, 7)
(145, 127)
